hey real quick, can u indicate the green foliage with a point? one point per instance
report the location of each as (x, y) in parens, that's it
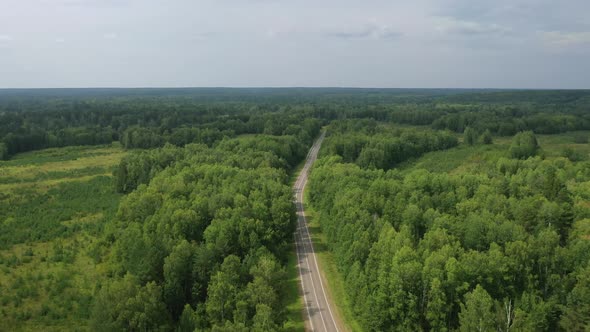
(222, 291)
(200, 240)
(486, 137)
(177, 278)
(189, 320)
(3, 151)
(476, 314)
(60, 204)
(212, 228)
(141, 138)
(382, 147)
(573, 155)
(577, 312)
(469, 136)
(263, 320)
(437, 311)
(125, 305)
(524, 145)
(581, 138)
(411, 244)
(139, 168)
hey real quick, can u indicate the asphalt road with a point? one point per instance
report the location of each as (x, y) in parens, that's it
(318, 313)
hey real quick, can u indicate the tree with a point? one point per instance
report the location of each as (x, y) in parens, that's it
(469, 136)
(177, 277)
(436, 310)
(223, 290)
(3, 151)
(577, 313)
(486, 137)
(476, 313)
(125, 305)
(263, 320)
(188, 320)
(524, 145)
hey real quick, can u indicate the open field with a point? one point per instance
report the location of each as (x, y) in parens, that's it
(53, 206)
(463, 157)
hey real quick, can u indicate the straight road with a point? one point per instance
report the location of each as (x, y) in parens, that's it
(319, 316)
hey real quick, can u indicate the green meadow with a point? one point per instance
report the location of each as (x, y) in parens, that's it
(53, 207)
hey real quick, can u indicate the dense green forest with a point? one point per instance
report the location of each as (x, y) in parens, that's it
(171, 209)
(499, 243)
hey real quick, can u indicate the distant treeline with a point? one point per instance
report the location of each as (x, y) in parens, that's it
(377, 146)
(145, 128)
(503, 120)
(146, 118)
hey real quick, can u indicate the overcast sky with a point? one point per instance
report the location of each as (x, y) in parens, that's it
(370, 43)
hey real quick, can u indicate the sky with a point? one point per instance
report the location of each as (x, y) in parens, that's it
(284, 43)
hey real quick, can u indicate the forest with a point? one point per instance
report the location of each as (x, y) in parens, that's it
(499, 243)
(171, 209)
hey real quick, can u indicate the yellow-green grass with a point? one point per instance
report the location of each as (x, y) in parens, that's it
(71, 281)
(47, 285)
(39, 171)
(334, 281)
(43, 186)
(464, 157)
(29, 166)
(555, 145)
(60, 154)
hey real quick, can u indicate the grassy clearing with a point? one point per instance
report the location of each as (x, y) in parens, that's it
(48, 285)
(333, 280)
(60, 154)
(53, 205)
(55, 164)
(454, 158)
(463, 157)
(555, 145)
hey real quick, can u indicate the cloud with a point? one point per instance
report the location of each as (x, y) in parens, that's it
(471, 28)
(467, 43)
(566, 39)
(372, 30)
(527, 16)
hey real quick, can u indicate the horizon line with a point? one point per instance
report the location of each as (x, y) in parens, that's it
(292, 87)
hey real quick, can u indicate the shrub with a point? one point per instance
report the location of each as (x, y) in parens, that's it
(524, 145)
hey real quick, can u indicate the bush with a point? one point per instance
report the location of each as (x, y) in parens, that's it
(486, 137)
(573, 155)
(524, 145)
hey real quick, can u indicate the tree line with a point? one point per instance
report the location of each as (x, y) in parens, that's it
(373, 145)
(150, 118)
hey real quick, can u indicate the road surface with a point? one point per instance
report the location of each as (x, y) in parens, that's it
(319, 316)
